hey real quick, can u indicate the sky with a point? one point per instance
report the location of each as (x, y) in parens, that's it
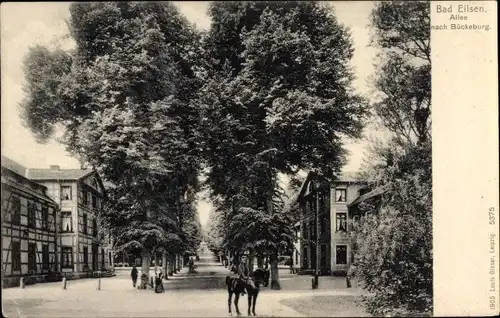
(27, 24)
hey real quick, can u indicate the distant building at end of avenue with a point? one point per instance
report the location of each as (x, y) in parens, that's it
(50, 224)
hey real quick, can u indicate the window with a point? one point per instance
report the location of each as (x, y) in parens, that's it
(66, 193)
(85, 197)
(341, 222)
(67, 257)
(16, 210)
(45, 217)
(94, 227)
(32, 214)
(341, 254)
(45, 256)
(86, 256)
(340, 195)
(32, 256)
(89, 199)
(16, 256)
(94, 202)
(84, 230)
(81, 197)
(66, 222)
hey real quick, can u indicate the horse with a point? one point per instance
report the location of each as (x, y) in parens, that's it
(262, 275)
(237, 286)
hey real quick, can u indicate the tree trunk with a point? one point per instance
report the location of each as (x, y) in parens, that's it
(164, 263)
(174, 264)
(146, 261)
(251, 261)
(156, 262)
(170, 265)
(275, 279)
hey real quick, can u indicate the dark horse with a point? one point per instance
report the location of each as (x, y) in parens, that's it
(236, 286)
(262, 275)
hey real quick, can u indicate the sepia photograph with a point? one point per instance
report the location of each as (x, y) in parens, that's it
(210, 159)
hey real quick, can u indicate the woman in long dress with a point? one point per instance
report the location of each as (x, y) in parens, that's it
(159, 283)
(134, 274)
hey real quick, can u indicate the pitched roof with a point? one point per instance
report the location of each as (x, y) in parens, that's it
(60, 174)
(14, 166)
(302, 188)
(28, 190)
(376, 192)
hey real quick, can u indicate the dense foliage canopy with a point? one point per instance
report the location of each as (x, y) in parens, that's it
(394, 259)
(123, 97)
(278, 100)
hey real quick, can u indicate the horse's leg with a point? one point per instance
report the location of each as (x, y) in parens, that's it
(249, 303)
(254, 302)
(236, 299)
(230, 296)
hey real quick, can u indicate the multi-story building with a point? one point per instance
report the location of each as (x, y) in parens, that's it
(324, 212)
(29, 228)
(84, 248)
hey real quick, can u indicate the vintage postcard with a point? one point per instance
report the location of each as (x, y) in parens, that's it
(260, 158)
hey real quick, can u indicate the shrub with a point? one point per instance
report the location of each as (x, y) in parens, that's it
(394, 259)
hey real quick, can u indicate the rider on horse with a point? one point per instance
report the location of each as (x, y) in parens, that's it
(244, 272)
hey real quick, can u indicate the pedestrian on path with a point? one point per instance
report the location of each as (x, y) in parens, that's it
(159, 283)
(134, 274)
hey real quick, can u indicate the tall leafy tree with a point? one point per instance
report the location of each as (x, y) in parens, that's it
(394, 260)
(404, 71)
(123, 97)
(281, 98)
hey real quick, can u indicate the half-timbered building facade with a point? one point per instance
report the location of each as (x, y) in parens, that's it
(29, 228)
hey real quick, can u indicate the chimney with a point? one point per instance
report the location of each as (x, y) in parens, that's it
(54, 168)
